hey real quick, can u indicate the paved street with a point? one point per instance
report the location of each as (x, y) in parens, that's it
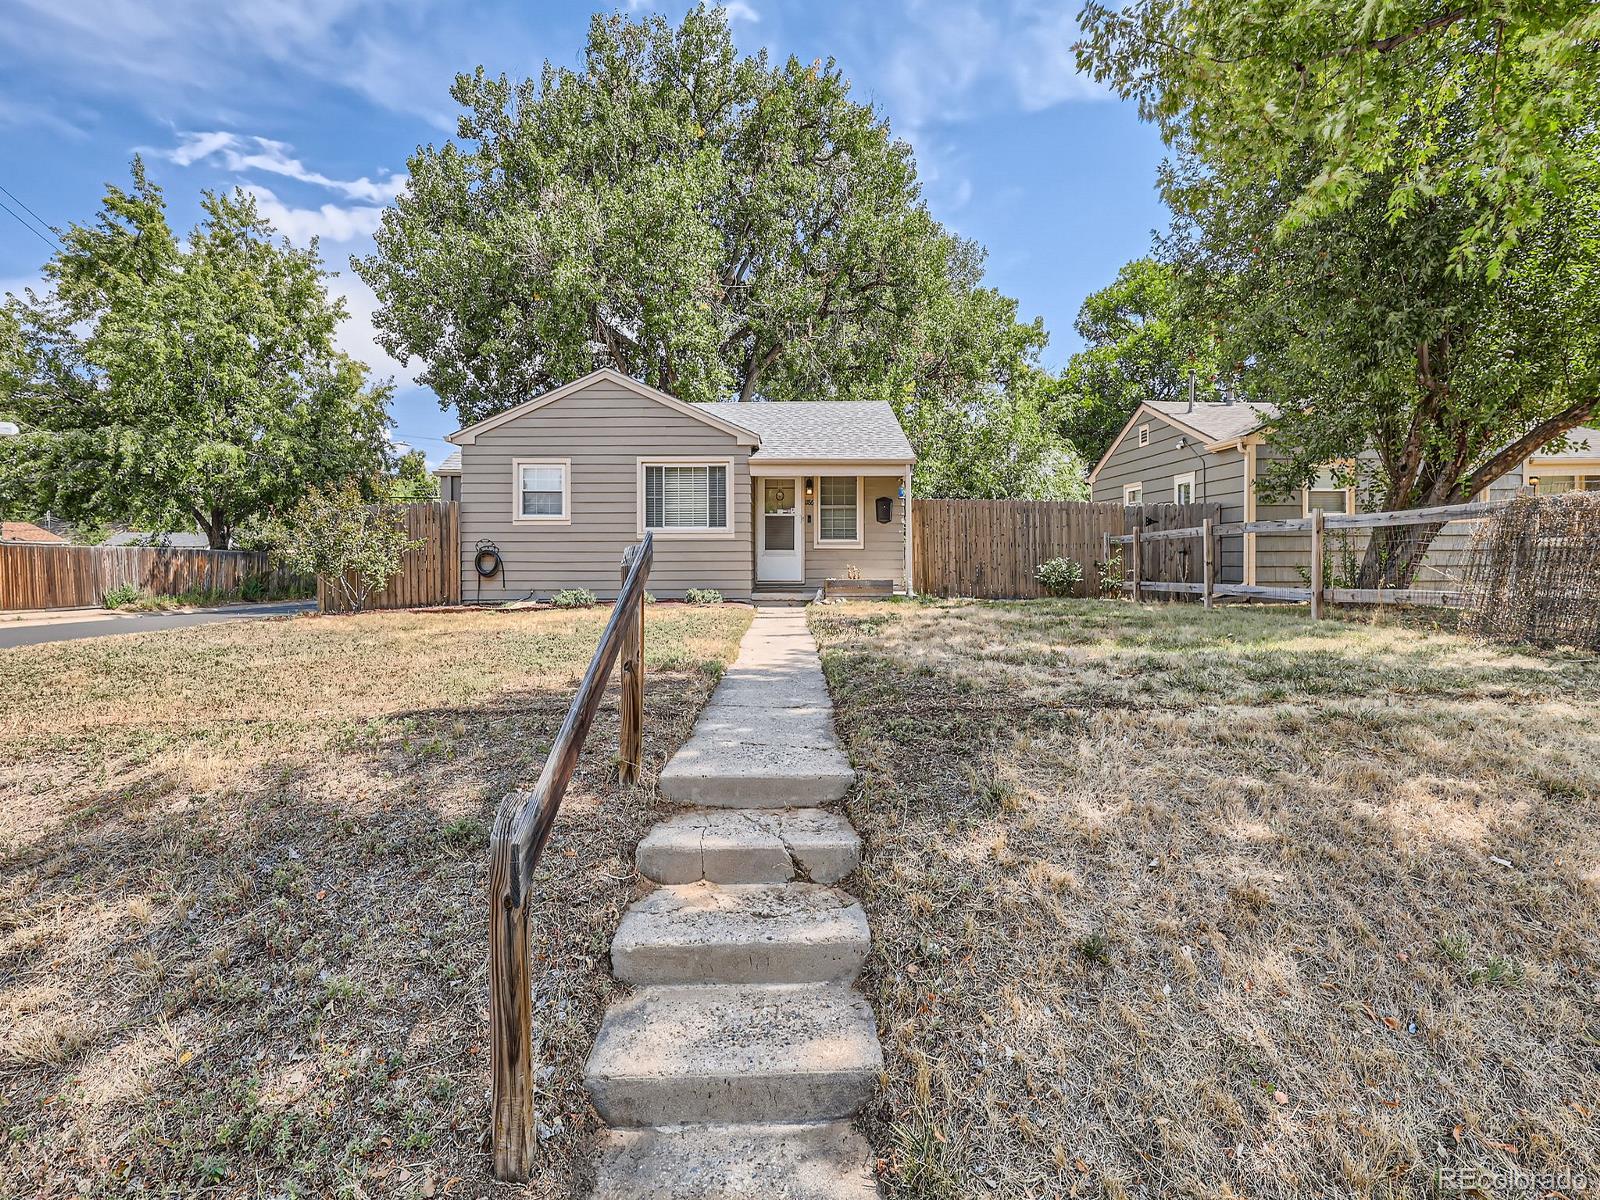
(82, 623)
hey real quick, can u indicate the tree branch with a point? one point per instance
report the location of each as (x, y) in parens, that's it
(1571, 417)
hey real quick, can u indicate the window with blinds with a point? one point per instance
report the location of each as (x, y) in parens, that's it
(685, 497)
(838, 518)
(541, 491)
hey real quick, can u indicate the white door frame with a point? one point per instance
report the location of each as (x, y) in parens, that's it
(796, 575)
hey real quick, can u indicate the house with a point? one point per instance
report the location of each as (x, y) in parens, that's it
(27, 533)
(448, 473)
(1214, 452)
(744, 498)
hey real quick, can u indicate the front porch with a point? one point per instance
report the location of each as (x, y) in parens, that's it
(812, 522)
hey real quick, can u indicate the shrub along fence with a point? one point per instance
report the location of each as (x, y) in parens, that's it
(429, 574)
(34, 577)
(989, 549)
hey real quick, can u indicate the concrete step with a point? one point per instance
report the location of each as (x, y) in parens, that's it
(736, 1162)
(731, 845)
(758, 1053)
(722, 772)
(745, 933)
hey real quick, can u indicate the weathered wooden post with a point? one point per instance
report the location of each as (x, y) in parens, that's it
(632, 683)
(1316, 564)
(1105, 560)
(1136, 553)
(510, 1006)
(1208, 560)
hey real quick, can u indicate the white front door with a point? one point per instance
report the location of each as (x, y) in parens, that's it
(779, 545)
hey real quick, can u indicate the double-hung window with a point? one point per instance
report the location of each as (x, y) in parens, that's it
(684, 498)
(1330, 490)
(839, 510)
(541, 491)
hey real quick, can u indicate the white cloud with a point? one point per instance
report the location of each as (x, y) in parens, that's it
(239, 153)
(358, 336)
(738, 10)
(330, 222)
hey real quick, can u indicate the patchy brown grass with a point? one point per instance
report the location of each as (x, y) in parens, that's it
(242, 937)
(1175, 903)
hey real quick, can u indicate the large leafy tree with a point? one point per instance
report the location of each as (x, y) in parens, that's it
(1487, 101)
(712, 224)
(1371, 343)
(175, 385)
(1136, 348)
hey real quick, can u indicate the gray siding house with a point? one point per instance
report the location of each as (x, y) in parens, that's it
(740, 497)
(1215, 452)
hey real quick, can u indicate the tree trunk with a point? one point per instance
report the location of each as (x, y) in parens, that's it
(1394, 555)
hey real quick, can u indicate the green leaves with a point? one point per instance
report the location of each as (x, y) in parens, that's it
(179, 386)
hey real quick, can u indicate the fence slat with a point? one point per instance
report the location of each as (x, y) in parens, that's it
(429, 574)
(38, 577)
(991, 548)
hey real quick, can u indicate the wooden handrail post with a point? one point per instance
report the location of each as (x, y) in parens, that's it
(510, 1009)
(1209, 561)
(1138, 563)
(631, 697)
(1316, 564)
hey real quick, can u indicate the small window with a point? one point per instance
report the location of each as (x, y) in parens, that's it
(543, 491)
(1144, 435)
(1133, 493)
(1183, 488)
(1329, 491)
(682, 497)
(839, 510)
(1556, 485)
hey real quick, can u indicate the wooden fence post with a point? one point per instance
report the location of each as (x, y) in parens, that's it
(631, 698)
(1316, 564)
(510, 1010)
(1208, 560)
(1136, 549)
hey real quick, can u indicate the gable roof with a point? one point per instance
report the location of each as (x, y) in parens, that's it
(699, 412)
(829, 430)
(451, 465)
(1209, 422)
(27, 531)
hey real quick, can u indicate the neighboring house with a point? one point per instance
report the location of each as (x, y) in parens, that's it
(27, 533)
(741, 497)
(1174, 452)
(448, 473)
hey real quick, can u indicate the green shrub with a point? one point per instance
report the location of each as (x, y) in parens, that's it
(1059, 576)
(122, 595)
(573, 598)
(703, 596)
(1112, 575)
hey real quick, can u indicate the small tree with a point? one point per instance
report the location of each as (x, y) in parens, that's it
(352, 546)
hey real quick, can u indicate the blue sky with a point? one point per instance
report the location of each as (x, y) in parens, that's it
(316, 104)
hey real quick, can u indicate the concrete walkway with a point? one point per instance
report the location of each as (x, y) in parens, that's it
(732, 1070)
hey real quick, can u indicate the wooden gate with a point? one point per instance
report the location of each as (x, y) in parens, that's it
(990, 548)
(1169, 560)
(430, 574)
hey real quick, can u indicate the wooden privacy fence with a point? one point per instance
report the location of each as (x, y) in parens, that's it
(80, 576)
(1207, 536)
(990, 548)
(429, 574)
(521, 829)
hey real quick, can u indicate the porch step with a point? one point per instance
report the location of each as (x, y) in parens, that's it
(736, 1162)
(759, 1053)
(740, 846)
(760, 933)
(744, 753)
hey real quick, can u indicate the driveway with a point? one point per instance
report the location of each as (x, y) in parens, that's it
(32, 629)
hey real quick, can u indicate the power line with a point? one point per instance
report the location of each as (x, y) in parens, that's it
(43, 224)
(53, 246)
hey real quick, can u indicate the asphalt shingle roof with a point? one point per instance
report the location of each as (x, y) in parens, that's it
(840, 430)
(451, 465)
(1217, 421)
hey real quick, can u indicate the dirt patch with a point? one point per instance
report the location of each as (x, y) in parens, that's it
(1175, 903)
(242, 928)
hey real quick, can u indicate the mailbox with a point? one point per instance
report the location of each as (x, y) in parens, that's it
(885, 506)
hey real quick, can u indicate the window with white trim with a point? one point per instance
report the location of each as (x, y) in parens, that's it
(1144, 435)
(839, 510)
(543, 491)
(1329, 490)
(1133, 493)
(685, 496)
(1183, 488)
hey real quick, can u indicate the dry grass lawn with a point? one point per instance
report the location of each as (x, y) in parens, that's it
(242, 927)
(1174, 903)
